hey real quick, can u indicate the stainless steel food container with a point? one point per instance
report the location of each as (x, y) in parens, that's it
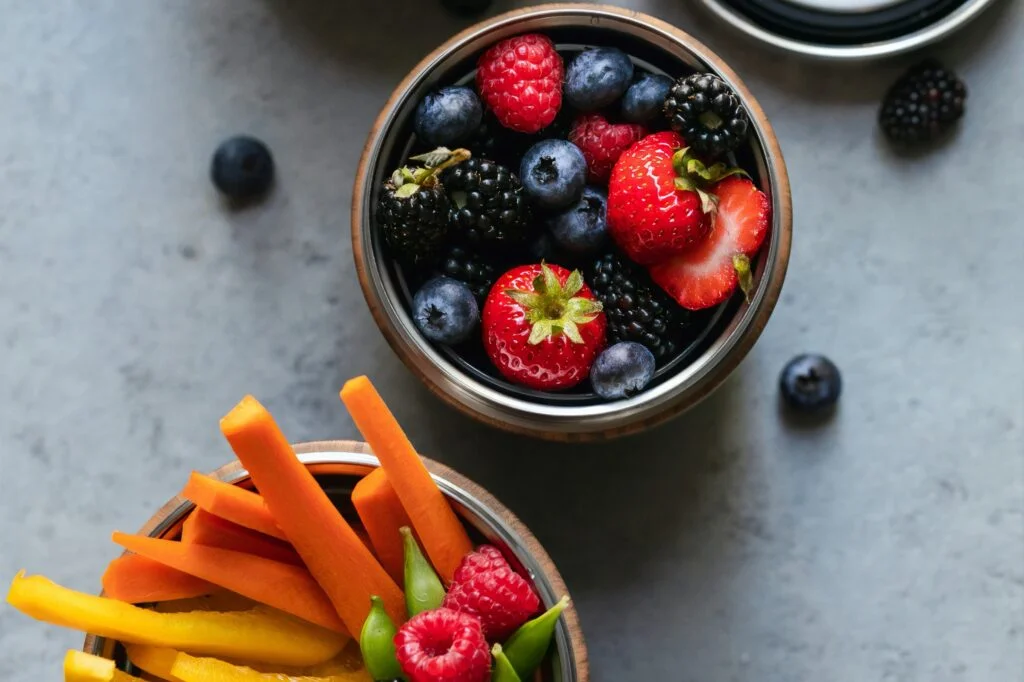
(851, 36)
(339, 464)
(734, 331)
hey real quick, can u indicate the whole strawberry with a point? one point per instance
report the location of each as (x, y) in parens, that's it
(443, 645)
(500, 598)
(520, 80)
(659, 198)
(542, 326)
(602, 143)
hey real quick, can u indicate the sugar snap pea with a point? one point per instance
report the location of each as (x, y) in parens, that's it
(423, 589)
(377, 643)
(526, 647)
(502, 670)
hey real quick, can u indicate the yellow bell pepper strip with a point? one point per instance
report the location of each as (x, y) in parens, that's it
(186, 668)
(82, 667)
(260, 634)
(155, 660)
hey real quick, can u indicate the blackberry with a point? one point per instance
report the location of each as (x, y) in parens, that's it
(923, 104)
(636, 308)
(413, 211)
(707, 113)
(470, 268)
(488, 207)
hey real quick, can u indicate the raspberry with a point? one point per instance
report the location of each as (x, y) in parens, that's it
(485, 558)
(443, 646)
(500, 598)
(520, 80)
(602, 143)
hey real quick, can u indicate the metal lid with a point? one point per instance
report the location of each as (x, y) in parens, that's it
(847, 29)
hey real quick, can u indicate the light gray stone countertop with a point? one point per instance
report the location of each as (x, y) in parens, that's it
(730, 545)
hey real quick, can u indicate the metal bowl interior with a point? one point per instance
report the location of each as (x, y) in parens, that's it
(728, 331)
(337, 466)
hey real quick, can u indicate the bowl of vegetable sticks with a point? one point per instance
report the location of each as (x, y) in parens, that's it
(313, 562)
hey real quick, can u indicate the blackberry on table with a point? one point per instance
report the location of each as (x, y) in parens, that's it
(637, 309)
(707, 113)
(470, 268)
(488, 208)
(924, 103)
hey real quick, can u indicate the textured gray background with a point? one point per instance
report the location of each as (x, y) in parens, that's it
(730, 545)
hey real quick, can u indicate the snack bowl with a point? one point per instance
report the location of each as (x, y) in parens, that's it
(463, 378)
(337, 465)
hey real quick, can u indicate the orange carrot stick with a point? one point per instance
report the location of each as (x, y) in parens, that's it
(204, 528)
(136, 579)
(283, 586)
(230, 502)
(337, 558)
(382, 515)
(439, 530)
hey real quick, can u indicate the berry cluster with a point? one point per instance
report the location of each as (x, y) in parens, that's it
(585, 160)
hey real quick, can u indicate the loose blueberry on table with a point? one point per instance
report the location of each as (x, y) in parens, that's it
(242, 168)
(609, 196)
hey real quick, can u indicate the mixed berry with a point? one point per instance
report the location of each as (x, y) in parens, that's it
(566, 218)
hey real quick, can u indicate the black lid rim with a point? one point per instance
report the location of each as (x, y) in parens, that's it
(828, 35)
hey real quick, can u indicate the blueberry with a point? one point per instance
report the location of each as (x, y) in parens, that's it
(597, 77)
(622, 370)
(583, 229)
(242, 167)
(553, 173)
(810, 383)
(449, 116)
(643, 102)
(445, 310)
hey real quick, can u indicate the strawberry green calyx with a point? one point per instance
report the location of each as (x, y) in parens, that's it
(746, 278)
(693, 175)
(407, 180)
(553, 308)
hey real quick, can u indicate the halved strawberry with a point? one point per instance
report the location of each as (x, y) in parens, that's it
(709, 273)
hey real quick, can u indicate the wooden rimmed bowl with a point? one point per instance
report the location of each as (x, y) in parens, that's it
(337, 465)
(726, 333)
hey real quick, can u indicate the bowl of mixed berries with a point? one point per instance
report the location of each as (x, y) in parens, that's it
(572, 221)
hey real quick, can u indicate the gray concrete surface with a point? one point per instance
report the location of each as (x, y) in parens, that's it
(731, 545)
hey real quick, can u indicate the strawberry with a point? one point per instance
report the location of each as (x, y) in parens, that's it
(542, 327)
(708, 274)
(520, 80)
(602, 143)
(659, 203)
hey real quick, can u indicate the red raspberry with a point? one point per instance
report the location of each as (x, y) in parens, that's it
(520, 79)
(602, 143)
(443, 646)
(500, 598)
(485, 558)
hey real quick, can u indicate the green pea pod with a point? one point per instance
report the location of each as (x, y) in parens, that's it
(503, 670)
(423, 589)
(377, 643)
(526, 647)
